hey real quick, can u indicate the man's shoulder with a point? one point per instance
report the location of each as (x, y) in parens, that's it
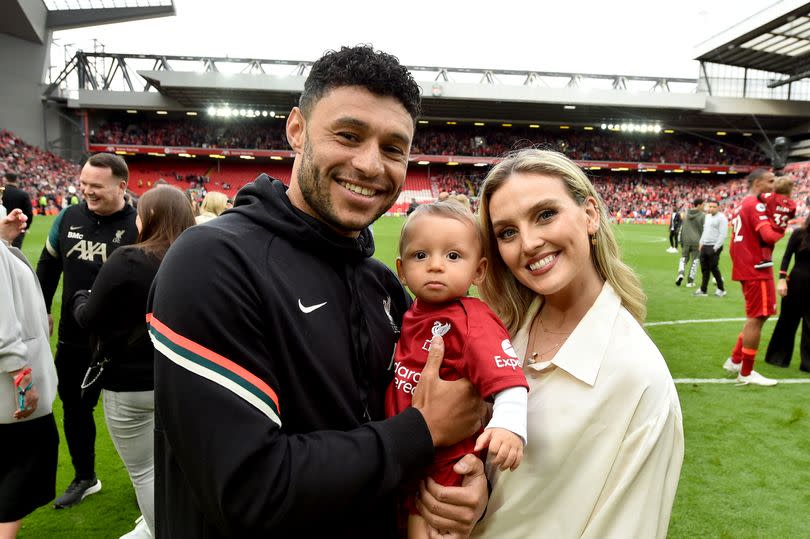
(71, 214)
(15, 192)
(751, 201)
(382, 271)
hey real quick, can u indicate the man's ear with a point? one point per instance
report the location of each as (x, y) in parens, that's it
(480, 271)
(296, 130)
(400, 272)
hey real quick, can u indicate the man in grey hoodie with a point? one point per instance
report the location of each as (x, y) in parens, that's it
(691, 230)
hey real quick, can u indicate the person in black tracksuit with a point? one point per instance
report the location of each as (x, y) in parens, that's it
(79, 242)
(274, 331)
(14, 198)
(675, 222)
(795, 309)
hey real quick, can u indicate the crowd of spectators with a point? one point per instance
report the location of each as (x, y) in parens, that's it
(647, 197)
(47, 178)
(596, 145)
(590, 146)
(458, 182)
(650, 197)
(198, 134)
(51, 182)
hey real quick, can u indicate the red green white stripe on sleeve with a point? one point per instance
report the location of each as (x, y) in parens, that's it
(214, 367)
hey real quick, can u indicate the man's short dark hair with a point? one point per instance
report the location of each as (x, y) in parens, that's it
(711, 201)
(11, 177)
(111, 161)
(378, 72)
(697, 202)
(757, 174)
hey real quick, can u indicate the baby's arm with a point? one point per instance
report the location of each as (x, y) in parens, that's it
(505, 435)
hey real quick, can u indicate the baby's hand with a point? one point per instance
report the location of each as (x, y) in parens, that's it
(505, 447)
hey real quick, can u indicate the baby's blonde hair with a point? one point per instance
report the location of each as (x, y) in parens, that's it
(449, 209)
(783, 185)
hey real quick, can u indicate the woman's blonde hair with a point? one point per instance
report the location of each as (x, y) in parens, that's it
(500, 289)
(214, 202)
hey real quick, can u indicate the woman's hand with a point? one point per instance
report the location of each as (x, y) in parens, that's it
(30, 397)
(781, 287)
(452, 512)
(12, 225)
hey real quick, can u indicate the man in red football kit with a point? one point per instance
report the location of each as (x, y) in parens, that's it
(781, 209)
(751, 227)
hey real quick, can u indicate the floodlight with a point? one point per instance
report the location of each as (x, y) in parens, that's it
(272, 114)
(604, 126)
(610, 126)
(212, 111)
(264, 114)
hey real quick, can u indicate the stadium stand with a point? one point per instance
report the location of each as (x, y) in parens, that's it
(639, 197)
(492, 141)
(41, 173)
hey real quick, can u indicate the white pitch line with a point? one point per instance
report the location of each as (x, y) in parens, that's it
(696, 321)
(734, 380)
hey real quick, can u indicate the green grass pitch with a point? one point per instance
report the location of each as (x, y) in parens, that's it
(747, 467)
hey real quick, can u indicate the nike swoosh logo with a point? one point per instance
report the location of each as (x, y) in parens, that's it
(307, 310)
(76, 227)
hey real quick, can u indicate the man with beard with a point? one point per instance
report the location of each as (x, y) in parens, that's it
(272, 363)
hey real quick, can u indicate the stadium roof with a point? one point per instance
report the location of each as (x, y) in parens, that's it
(155, 82)
(57, 5)
(31, 20)
(776, 39)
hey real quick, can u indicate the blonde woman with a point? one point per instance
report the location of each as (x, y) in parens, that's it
(212, 206)
(605, 436)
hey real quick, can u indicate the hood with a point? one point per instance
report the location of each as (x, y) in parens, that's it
(693, 213)
(265, 202)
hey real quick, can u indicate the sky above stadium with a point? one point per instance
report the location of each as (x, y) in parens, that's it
(655, 38)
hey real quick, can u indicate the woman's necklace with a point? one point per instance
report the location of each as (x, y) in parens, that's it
(537, 356)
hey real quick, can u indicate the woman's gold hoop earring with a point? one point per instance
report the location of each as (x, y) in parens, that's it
(593, 240)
